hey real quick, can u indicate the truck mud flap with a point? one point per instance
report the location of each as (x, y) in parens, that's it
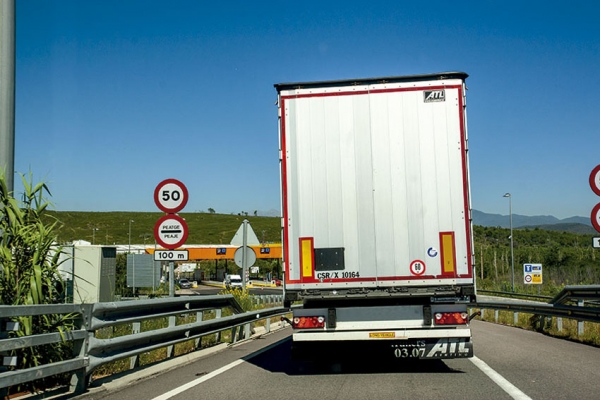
(418, 349)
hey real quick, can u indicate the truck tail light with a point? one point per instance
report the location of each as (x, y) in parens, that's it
(451, 318)
(308, 322)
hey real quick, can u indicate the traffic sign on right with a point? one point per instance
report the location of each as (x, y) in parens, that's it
(595, 185)
(532, 274)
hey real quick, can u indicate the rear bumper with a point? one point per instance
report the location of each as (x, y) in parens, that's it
(415, 349)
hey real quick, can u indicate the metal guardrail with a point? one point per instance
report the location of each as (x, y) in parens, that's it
(90, 351)
(569, 303)
(513, 295)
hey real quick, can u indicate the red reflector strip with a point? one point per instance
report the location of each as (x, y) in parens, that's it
(308, 322)
(451, 318)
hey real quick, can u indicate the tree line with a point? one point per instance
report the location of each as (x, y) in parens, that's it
(566, 258)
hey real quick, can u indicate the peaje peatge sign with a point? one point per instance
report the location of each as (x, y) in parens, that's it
(171, 231)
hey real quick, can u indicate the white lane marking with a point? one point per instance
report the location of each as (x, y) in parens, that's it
(198, 381)
(217, 372)
(505, 385)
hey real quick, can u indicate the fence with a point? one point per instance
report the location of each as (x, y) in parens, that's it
(90, 351)
(574, 302)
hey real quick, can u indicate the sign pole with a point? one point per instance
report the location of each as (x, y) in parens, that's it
(244, 251)
(171, 231)
(171, 280)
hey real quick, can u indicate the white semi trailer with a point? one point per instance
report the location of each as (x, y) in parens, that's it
(376, 227)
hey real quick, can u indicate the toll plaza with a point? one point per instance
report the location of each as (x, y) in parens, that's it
(224, 251)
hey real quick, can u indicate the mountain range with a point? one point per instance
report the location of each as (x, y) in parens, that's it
(548, 222)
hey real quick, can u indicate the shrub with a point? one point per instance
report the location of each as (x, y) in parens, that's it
(29, 261)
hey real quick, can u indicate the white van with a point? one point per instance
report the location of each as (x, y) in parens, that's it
(233, 282)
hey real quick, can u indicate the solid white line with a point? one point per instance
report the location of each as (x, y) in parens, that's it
(198, 381)
(505, 385)
(217, 372)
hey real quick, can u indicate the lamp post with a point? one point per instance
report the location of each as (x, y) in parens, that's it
(512, 254)
(130, 221)
(94, 234)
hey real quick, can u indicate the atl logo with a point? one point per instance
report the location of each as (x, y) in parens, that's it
(434, 95)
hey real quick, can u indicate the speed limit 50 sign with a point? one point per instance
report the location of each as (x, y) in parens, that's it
(171, 196)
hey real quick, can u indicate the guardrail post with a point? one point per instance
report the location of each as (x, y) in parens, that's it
(516, 318)
(268, 325)
(199, 317)
(496, 316)
(134, 361)
(171, 348)
(580, 326)
(247, 331)
(559, 324)
(236, 333)
(217, 316)
(6, 326)
(79, 379)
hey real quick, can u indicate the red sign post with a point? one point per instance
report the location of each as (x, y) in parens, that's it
(595, 185)
(171, 231)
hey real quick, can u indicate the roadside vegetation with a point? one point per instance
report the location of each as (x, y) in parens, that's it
(29, 262)
(110, 228)
(243, 298)
(32, 236)
(568, 258)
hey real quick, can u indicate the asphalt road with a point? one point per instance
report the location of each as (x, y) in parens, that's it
(508, 363)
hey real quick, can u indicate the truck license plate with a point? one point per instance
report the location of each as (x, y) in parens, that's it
(434, 349)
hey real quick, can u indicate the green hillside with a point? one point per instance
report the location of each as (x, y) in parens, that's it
(567, 258)
(113, 227)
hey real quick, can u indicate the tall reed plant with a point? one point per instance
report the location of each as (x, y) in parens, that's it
(29, 261)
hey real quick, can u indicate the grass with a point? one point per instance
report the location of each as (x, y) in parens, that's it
(110, 228)
(243, 298)
(207, 228)
(569, 329)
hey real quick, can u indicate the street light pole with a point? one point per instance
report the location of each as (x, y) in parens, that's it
(512, 254)
(130, 221)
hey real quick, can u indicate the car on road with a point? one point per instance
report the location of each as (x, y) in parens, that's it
(276, 281)
(185, 284)
(233, 282)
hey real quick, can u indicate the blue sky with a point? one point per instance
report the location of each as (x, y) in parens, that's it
(114, 96)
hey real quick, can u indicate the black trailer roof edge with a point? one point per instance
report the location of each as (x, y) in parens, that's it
(378, 80)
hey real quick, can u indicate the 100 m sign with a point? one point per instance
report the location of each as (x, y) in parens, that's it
(171, 255)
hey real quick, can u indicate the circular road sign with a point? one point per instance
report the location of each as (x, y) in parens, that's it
(595, 180)
(239, 255)
(171, 231)
(171, 196)
(596, 217)
(417, 267)
(527, 278)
